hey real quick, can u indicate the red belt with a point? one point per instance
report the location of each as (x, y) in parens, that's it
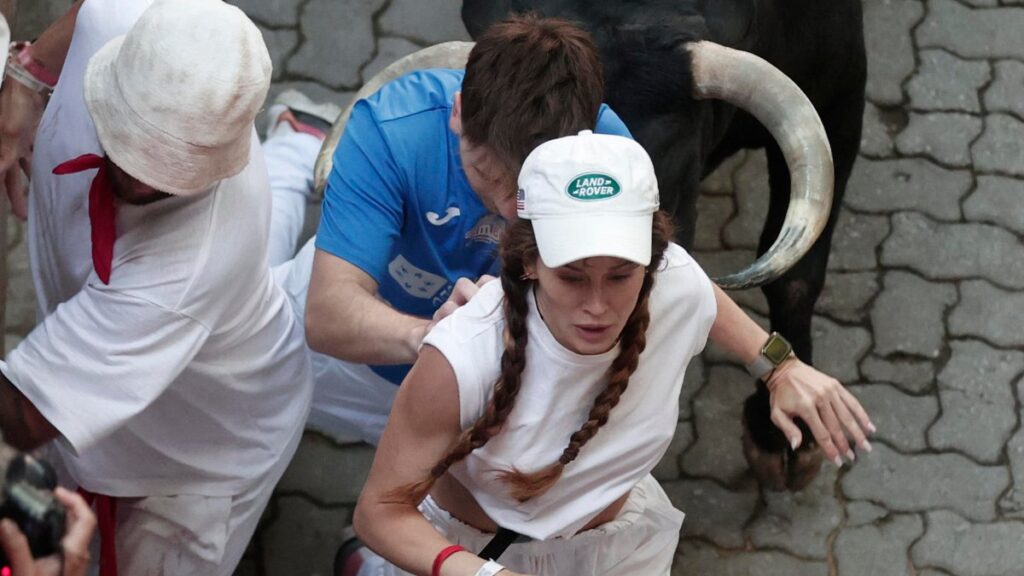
(106, 514)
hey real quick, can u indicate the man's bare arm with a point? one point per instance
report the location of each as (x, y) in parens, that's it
(346, 319)
(22, 425)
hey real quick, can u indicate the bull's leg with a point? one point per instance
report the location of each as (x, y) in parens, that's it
(791, 301)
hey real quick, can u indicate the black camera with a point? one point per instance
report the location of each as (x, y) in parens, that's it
(27, 499)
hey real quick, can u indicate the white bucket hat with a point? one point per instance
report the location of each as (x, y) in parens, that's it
(174, 99)
(589, 195)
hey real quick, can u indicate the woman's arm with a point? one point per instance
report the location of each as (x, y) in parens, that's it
(424, 423)
(796, 388)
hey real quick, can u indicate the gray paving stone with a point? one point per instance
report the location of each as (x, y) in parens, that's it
(389, 49)
(721, 262)
(1012, 504)
(669, 466)
(838, 349)
(997, 200)
(275, 13)
(423, 22)
(953, 251)
(991, 33)
(20, 311)
(967, 549)
(887, 30)
(719, 182)
(317, 465)
(693, 381)
(303, 537)
(907, 316)
(859, 513)
(712, 512)
(345, 52)
(901, 420)
(800, 522)
(876, 138)
(846, 295)
(699, 559)
(945, 82)
(909, 375)
(922, 482)
(752, 195)
(856, 240)
(1003, 95)
(989, 313)
(717, 410)
(978, 407)
(881, 186)
(880, 549)
(713, 212)
(751, 299)
(280, 44)
(1000, 148)
(943, 136)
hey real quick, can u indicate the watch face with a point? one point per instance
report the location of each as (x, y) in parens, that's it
(776, 349)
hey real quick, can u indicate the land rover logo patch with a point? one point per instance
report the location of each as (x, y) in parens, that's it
(593, 186)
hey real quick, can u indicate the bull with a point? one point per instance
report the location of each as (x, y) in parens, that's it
(698, 80)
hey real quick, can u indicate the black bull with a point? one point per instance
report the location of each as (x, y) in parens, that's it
(819, 45)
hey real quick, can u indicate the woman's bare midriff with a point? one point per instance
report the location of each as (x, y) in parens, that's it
(455, 499)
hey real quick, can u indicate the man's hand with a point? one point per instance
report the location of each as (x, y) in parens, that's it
(20, 111)
(463, 291)
(823, 404)
(81, 523)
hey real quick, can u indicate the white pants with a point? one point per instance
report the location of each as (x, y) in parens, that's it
(290, 158)
(641, 540)
(192, 535)
(350, 401)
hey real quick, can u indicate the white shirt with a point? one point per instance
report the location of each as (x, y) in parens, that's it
(188, 373)
(557, 391)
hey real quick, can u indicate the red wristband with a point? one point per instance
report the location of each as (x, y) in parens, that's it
(442, 556)
(23, 55)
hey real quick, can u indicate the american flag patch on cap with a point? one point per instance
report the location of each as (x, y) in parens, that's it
(521, 199)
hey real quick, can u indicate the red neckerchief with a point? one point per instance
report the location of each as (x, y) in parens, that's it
(106, 516)
(102, 210)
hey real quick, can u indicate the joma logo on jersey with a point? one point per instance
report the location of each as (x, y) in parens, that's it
(593, 187)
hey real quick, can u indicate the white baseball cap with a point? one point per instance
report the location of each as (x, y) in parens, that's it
(589, 195)
(174, 99)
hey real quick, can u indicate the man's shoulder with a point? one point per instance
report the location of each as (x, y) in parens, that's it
(415, 93)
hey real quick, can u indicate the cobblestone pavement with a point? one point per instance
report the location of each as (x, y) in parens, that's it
(921, 315)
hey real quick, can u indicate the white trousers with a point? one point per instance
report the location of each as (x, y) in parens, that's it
(290, 158)
(641, 540)
(350, 401)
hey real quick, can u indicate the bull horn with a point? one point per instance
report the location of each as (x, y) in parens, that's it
(444, 55)
(752, 84)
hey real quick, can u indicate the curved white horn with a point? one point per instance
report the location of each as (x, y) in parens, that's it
(444, 55)
(752, 84)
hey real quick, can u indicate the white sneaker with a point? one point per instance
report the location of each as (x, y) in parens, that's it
(294, 111)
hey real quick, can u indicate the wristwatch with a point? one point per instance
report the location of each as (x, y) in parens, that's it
(775, 350)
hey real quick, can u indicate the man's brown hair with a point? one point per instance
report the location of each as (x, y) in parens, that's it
(529, 80)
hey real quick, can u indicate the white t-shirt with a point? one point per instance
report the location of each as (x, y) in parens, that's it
(557, 391)
(188, 373)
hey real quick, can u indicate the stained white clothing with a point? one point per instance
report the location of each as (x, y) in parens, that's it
(557, 392)
(188, 373)
(640, 541)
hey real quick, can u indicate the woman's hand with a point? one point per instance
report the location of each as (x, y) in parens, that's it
(823, 404)
(81, 523)
(20, 111)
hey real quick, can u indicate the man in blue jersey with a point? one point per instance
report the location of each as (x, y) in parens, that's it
(424, 177)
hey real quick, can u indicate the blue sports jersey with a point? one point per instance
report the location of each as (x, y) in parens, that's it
(398, 204)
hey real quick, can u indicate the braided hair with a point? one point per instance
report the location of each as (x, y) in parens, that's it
(519, 248)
